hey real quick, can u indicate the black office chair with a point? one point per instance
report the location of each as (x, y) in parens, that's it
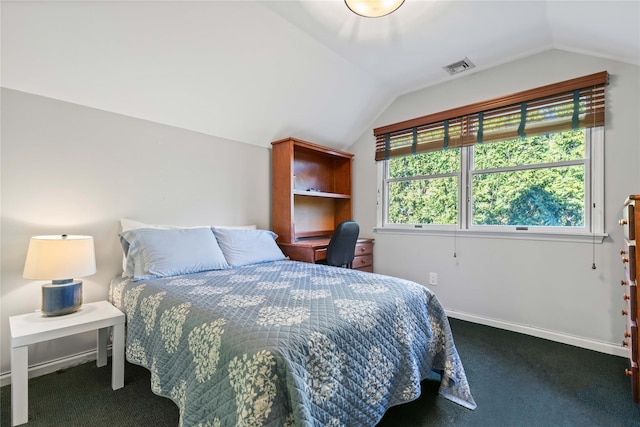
(342, 246)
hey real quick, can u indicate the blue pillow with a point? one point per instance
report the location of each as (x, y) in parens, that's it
(242, 247)
(162, 253)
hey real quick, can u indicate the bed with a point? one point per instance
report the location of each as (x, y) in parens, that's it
(260, 340)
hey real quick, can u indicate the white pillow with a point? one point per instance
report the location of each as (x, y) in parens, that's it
(171, 252)
(132, 224)
(242, 247)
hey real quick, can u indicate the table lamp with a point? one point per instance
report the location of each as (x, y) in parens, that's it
(60, 258)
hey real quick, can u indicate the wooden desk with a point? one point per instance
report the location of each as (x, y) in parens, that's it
(315, 249)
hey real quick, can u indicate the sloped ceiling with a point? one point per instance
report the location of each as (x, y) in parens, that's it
(257, 71)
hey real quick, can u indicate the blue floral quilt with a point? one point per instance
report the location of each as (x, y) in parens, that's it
(288, 343)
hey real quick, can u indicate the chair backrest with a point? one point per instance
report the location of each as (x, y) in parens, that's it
(342, 246)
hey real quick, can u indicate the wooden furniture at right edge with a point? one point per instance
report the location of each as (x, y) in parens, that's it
(311, 195)
(631, 259)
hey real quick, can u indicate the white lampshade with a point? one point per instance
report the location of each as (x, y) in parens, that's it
(373, 8)
(60, 257)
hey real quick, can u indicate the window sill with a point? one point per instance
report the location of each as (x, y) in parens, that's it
(516, 235)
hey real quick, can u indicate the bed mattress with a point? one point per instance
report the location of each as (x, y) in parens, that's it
(288, 343)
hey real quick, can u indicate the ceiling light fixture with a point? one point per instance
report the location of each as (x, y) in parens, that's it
(373, 8)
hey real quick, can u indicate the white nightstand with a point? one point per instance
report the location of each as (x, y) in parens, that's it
(33, 328)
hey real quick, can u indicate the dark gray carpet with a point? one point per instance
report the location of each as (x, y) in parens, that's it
(516, 380)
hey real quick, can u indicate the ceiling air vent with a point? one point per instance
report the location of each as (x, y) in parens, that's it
(460, 66)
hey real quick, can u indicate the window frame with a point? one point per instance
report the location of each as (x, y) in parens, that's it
(593, 231)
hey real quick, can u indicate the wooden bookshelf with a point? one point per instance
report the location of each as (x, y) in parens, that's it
(311, 189)
(311, 195)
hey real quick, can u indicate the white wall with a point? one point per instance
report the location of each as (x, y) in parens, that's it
(541, 287)
(77, 170)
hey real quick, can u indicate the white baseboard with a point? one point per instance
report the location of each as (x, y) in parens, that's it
(56, 365)
(600, 346)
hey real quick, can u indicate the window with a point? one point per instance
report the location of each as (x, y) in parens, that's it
(534, 166)
(541, 181)
(423, 189)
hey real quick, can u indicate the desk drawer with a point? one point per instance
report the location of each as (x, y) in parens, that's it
(360, 262)
(364, 248)
(629, 260)
(631, 300)
(320, 254)
(631, 342)
(628, 221)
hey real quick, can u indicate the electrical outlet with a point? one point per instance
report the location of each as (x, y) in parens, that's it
(433, 279)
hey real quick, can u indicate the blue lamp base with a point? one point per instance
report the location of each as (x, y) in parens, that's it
(61, 298)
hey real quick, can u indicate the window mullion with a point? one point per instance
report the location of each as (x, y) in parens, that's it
(382, 196)
(588, 183)
(464, 192)
(595, 138)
